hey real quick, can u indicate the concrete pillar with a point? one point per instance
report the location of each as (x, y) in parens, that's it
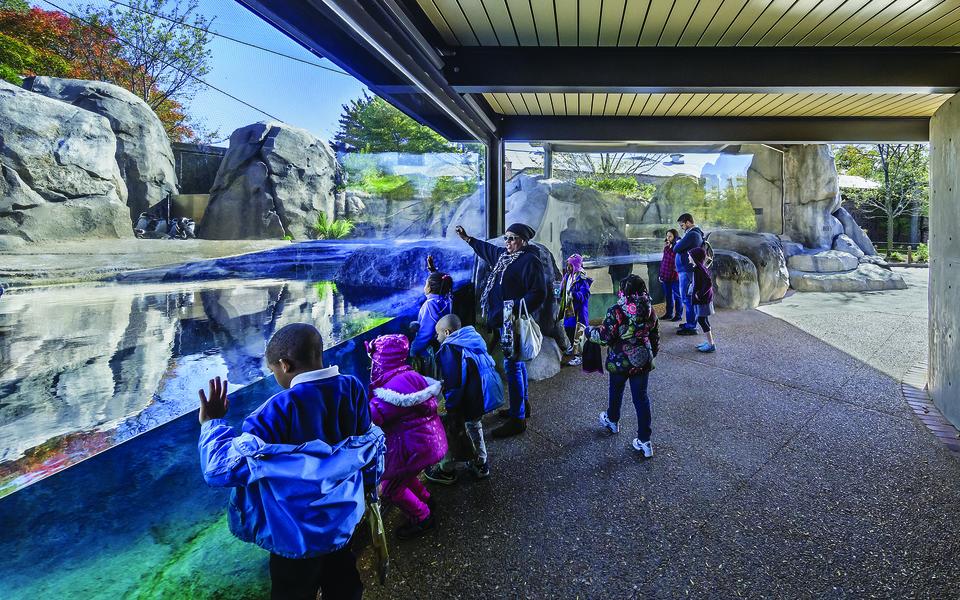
(547, 161)
(943, 378)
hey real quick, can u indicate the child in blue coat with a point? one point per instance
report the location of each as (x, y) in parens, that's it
(299, 468)
(575, 305)
(439, 303)
(471, 388)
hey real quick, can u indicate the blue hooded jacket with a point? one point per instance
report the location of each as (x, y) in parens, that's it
(458, 351)
(433, 309)
(297, 501)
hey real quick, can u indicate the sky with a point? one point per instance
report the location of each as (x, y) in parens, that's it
(296, 93)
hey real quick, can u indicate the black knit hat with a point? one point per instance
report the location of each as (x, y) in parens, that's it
(524, 231)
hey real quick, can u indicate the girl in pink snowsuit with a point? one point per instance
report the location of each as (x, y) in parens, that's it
(404, 404)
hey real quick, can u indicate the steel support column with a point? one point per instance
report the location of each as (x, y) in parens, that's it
(547, 161)
(495, 207)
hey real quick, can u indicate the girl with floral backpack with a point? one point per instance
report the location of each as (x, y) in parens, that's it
(631, 331)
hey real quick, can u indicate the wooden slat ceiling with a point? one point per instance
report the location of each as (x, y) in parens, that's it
(695, 22)
(719, 105)
(665, 23)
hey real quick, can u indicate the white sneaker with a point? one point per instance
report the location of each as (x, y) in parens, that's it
(575, 361)
(569, 350)
(645, 447)
(606, 422)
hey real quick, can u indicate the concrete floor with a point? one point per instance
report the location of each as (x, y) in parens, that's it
(786, 466)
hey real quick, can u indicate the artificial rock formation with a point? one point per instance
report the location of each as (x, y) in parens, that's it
(864, 278)
(58, 175)
(275, 180)
(823, 261)
(766, 253)
(735, 284)
(843, 243)
(811, 195)
(672, 198)
(143, 150)
(855, 232)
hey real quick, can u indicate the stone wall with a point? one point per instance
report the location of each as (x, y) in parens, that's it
(943, 377)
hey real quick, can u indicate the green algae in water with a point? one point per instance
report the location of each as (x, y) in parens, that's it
(213, 565)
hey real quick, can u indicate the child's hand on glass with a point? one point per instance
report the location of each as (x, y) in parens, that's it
(218, 403)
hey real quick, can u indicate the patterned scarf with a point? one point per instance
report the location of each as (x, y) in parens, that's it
(506, 259)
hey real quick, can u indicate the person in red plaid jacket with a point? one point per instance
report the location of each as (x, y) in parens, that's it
(670, 279)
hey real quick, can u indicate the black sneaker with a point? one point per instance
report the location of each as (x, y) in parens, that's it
(437, 475)
(480, 470)
(687, 331)
(511, 428)
(415, 530)
(676, 319)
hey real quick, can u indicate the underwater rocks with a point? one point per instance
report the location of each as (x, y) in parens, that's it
(143, 150)
(58, 175)
(275, 180)
(403, 266)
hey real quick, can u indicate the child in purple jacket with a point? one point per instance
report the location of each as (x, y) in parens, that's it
(702, 297)
(670, 279)
(574, 306)
(404, 404)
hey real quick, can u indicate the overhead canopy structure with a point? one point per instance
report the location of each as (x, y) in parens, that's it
(645, 70)
(642, 72)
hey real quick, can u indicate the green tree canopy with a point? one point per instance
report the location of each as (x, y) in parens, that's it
(14, 5)
(371, 124)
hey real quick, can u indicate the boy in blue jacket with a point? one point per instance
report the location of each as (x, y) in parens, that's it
(298, 468)
(471, 388)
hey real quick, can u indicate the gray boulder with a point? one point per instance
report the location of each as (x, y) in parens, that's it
(865, 278)
(823, 261)
(843, 243)
(766, 253)
(855, 232)
(874, 260)
(143, 148)
(275, 180)
(58, 176)
(735, 283)
(547, 363)
(811, 195)
(791, 248)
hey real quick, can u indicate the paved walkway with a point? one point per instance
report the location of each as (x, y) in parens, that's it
(785, 466)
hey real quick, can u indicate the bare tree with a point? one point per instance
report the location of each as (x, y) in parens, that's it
(607, 164)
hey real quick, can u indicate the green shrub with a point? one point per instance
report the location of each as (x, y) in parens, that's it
(896, 257)
(449, 189)
(332, 230)
(288, 237)
(382, 185)
(922, 253)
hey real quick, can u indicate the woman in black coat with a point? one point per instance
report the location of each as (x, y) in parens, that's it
(516, 274)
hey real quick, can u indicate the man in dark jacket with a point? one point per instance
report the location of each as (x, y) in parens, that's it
(692, 238)
(516, 274)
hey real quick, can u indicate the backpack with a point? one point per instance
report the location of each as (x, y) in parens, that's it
(707, 262)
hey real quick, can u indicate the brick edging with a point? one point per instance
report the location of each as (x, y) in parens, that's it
(914, 387)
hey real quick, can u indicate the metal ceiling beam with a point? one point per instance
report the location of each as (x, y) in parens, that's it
(729, 130)
(704, 70)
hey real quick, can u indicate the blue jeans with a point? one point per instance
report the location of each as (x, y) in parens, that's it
(686, 279)
(641, 401)
(671, 295)
(517, 384)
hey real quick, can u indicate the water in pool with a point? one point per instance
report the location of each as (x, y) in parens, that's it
(84, 367)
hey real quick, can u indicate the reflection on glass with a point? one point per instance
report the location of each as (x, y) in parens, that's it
(85, 367)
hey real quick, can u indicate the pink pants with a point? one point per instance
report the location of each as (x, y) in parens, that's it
(409, 494)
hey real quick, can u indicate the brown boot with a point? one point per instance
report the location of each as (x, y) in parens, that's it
(511, 428)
